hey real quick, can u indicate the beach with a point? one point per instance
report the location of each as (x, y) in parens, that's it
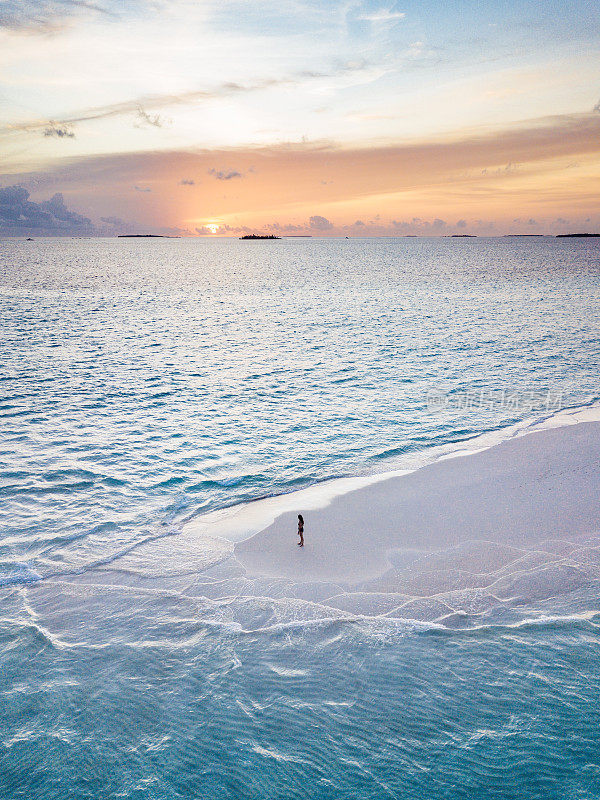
(518, 520)
(516, 495)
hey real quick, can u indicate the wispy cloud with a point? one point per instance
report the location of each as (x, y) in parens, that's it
(142, 189)
(144, 120)
(382, 16)
(46, 16)
(142, 107)
(187, 182)
(387, 167)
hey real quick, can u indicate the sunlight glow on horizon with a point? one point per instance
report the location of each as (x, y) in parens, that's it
(288, 114)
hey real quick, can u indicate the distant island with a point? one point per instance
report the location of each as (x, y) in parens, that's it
(578, 235)
(258, 236)
(463, 236)
(145, 236)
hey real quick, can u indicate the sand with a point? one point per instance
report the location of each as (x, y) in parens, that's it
(542, 486)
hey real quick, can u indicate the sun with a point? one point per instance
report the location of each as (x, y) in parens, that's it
(204, 227)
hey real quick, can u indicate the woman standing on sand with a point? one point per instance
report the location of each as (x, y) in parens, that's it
(301, 530)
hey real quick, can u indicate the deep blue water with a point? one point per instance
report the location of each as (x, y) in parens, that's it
(144, 382)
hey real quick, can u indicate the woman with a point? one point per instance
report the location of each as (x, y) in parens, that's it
(301, 530)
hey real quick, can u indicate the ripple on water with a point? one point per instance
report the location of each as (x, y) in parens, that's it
(147, 380)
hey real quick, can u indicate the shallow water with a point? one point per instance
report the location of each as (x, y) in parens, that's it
(145, 382)
(166, 705)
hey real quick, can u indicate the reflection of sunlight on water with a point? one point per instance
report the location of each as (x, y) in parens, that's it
(174, 377)
(153, 391)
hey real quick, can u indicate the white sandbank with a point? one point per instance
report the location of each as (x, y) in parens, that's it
(532, 488)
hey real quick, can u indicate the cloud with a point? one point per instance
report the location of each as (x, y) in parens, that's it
(187, 182)
(142, 188)
(142, 106)
(357, 172)
(319, 223)
(145, 120)
(382, 16)
(45, 16)
(56, 207)
(378, 226)
(60, 131)
(416, 227)
(20, 216)
(461, 223)
(225, 174)
(597, 107)
(428, 179)
(507, 169)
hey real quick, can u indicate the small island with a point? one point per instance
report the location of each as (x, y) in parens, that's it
(578, 235)
(259, 236)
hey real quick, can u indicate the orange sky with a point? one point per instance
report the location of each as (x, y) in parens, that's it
(205, 118)
(535, 173)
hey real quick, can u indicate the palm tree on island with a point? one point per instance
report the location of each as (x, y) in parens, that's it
(260, 236)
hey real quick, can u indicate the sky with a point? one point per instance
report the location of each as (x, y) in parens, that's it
(331, 118)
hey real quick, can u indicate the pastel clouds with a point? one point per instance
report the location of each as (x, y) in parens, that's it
(460, 179)
(311, 116)
(19, 215)
(225, 174)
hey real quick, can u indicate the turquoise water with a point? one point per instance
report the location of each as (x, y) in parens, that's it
(145, 382)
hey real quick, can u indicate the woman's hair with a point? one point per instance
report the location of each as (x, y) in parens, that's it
(301, 518)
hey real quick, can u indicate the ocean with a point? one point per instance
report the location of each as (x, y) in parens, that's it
(148, 382)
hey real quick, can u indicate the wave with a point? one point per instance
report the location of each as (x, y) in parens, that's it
(18, 573)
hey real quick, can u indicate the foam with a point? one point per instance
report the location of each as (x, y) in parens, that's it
(491, 537)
